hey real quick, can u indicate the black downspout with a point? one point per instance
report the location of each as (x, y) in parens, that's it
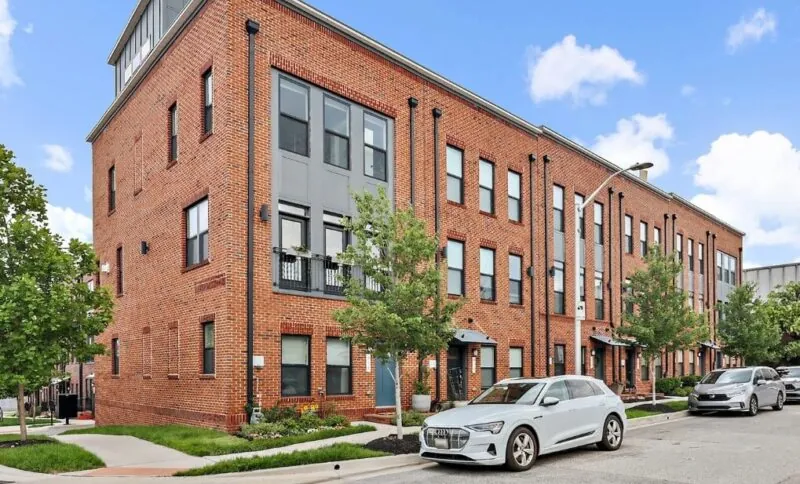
(714, 287)
(412, 108)
(610, 245)
(707, 280)
(621, 239)
(546, 271)
(437, 113)
(252, 28)
(532, 160)
(674, 250)
(666, 232)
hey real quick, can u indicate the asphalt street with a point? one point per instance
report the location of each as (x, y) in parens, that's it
(704, 449)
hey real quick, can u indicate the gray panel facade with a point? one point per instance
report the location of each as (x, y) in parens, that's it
(308, 181)
(767, 279)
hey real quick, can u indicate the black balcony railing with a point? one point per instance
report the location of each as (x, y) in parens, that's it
(314, 273)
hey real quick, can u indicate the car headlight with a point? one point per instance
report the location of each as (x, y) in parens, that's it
(694, 394)
(493, 427)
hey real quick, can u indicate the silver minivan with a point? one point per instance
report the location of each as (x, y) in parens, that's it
(739, 390)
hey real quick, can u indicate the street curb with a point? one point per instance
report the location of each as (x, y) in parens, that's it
(326, 471)
(656, 419)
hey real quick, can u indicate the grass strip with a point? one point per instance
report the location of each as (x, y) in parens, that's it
(52, 457)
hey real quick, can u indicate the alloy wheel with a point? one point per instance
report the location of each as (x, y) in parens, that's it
(613, 433)
(523, 449)
(753, 406)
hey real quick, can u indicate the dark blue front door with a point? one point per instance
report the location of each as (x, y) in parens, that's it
(384, 383)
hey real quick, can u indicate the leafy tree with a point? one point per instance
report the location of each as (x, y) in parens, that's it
(745, 330)
(662, 319)
(396, 308)
(47, 311)
(782, 307)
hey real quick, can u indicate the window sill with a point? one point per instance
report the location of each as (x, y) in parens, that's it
(208, 376)
(111, 212)
(340, 397)
(172, 163)
(303, 399)
(195, 266)
(455, 297)
(488, 214)
(119, 294)
(115, 377)
(173, 377)
(514, 222)
(488, 301)
(205, 136)
(456, 204)
(516, 305)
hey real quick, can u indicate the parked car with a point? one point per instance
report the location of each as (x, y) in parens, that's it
(515, 421)
(738, 390)
(791, 380)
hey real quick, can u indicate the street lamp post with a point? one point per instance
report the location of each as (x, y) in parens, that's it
(580, 311)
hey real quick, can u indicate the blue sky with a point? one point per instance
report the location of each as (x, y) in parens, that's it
(706, 90)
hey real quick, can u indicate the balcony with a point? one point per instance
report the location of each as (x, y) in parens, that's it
(313, 273)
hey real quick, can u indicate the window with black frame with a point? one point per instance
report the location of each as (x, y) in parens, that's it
(208, 102)
(338, 377)
(514, 279)
(560, 360)
(643, 239)
(583, 360)
(336, 241)
(337, 133)
(197, 233)
(455, 175)
(455, 267)
(208, 348)
(295, 366)
(112, 188)
(514, 362)
(375, 146)
(173, 132)
(294, 113)
(486, 186)
(120, 272)
(294, 251)
(488, 370)
(487, 281)
(514, 196)
(628, 234)
(559, 252)
(115, 356)
(599, 309)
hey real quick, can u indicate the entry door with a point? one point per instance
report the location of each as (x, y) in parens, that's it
(703, 365)
(600, 363)
(384, 383)
(630, 368)
(456, 375)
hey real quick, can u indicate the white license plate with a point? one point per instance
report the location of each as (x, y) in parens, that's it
(440, 443)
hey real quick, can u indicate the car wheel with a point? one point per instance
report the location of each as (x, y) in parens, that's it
(521, 450)
(612, 434)
(779, 404)
(752, 409)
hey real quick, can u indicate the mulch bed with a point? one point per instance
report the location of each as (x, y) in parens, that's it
(393, 445)
(658, 407)
(10, 444)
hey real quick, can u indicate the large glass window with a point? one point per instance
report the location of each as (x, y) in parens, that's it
(208, 348)
(700, 251)
(558, 287)
(642, 239)
(657, 236)
(337, 133)
(112, 188)
(515, 362)
(514, 196)
(560, 360)
(338, 373)
(335, 243)
(486, 182)
(208, 102)
(295, 366)
(455, 174)
(628, 234)
(375, 146)
(115, 356)
(488, 370)
(690, 254)
(294, 112)
(173, 132)
(120, 272)
(487, 274)
(514, 279)
(293, 251)
(455, 267)
(598, 223)
(558, 208)
(197, 233)
(599, 309)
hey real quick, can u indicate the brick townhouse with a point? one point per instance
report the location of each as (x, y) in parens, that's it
(222, 170)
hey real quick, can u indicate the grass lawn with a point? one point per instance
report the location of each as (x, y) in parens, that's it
(645, 410)
(50, 458)
(202, 442)
(12, 421)
(334, 453)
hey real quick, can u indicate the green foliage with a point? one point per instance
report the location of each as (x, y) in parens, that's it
(682, 391)
(47, 311)
(667, 386)
(663, 319)
(421, 385)
(336, 421)
(690, 380)
(277, 413)
(50, 458)
(782, 307)
(334, 453)
(412, 418)
(745, 328)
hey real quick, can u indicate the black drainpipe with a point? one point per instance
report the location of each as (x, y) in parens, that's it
(714, 287)
(532, 161)
(674, 249)
(546, 271)
(437, 113)
(707, 281)
(412, 108)
(252, 28)
(621, 241)
(614, 358)
(666, 233)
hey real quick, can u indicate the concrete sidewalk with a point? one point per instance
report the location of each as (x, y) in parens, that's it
(58, 427)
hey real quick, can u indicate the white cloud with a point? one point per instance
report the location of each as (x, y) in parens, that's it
(8, 73)
(584, 73)
(688, 90)
(28, 29)
(750, 181)
(58, 157)
(637, 139)
(751, 29)
(87, 194)
(69, 223)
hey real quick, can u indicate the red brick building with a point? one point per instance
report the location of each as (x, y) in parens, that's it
(221, 170)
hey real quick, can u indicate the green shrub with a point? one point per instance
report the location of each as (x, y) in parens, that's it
(276, 413)
(667, 386)
(682, 391)
(690, 380)
(309, 421)
(412, 418)
(336, 421)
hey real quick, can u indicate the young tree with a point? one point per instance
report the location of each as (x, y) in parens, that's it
(745, 330)
(47, 311)
(662, 319)
(395, 309)
(782, 308)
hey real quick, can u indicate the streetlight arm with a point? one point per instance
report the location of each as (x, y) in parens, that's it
(602, 185)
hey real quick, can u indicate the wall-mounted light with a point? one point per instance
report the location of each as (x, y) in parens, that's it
(475, 352)
(530, 271)
(592, 352)
(263, 213)
(144, 247)
(443, 252)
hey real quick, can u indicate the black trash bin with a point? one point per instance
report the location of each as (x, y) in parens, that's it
(67, 407)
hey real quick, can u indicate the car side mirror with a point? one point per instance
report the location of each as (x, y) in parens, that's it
(761, 382)
(550, 401)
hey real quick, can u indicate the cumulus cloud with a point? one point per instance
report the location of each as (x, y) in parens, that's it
(8, 72)
(584, 73)
(750, 181)
(58, 158)
(751, 30)
(688, 90)
(637, 139)
(69, 223)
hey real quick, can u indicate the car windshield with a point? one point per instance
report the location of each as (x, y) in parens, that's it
(790, 372)
(727, 377)
(509, 393)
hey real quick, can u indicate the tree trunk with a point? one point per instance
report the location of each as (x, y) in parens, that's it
(653, 372)
(23, 429)
(398, 405)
